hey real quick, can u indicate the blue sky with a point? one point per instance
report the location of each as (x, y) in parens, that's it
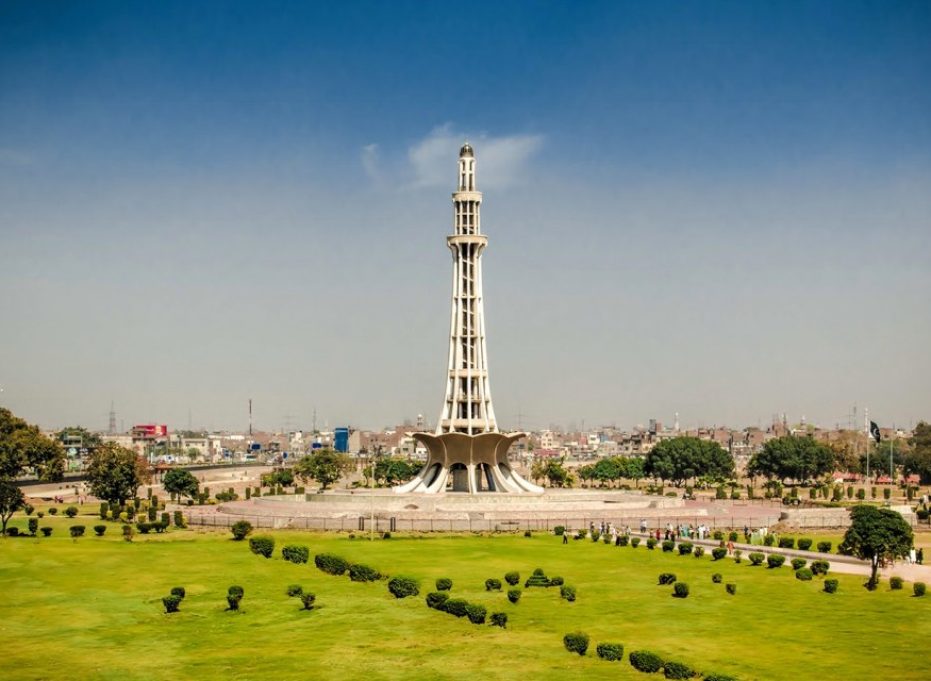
(719, 209)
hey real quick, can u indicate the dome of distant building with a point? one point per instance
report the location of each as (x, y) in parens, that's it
(466, 150)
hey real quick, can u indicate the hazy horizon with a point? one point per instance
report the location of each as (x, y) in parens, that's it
(719, 210)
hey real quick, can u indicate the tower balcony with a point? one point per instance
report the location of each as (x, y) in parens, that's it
(455, 240)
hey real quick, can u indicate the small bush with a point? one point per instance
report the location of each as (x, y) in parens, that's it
(240, 529)
(895, 583)
(294, 590)
(104, 507)
(576, 642)
(717, 578)
(596, 535)
(76, 531)
(820, 567)
(514, 595)
(538, 578)
(46, 531)
(698, 552)
(262, 546)
(804, 574)
(645, 661)
(512, 578)
(33, 526)
(13, 531)
(634, 542)
(386, 535)
(499, 619)
(559, 530)
(71, 511)
(737, 554)
(567, 592)
(719, 677)
(171, 603)
(732, 536)
(666, 578)
(143, 527)
(718, 535)
(651, 543)
(680, 590)
(53, 510)
(557, 581)
(824, 547)
(775, 560)
(179, 519)
(668, 545)
(528, 533)
(786, 543)
(919, 588)
(456, 606)
(236, 590)
(804, 544)
(613, 652)
(178, 591)
(731, 588)
(677, 670)
(798, 563)
(718, 553)
(685, 548)
(492, 584)
(358, 572)
(437, 600)
(444, 584)
(100, 530)
(295, 553)
(756, 558)
(476, 613)
(233, 595)
(830, 585)
(769, 540)
(331, 564)
(402, 587)
(307, 600)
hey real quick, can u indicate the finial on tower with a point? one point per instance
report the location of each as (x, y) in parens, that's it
(466, 150)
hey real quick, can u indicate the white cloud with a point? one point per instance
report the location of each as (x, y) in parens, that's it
(501, 161)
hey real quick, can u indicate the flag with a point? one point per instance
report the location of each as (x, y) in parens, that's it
(874, 431)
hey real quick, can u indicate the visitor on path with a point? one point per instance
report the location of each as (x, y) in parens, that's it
(565, 536)
(730, 547)
(643, 525)
(912, 556)
(921, 556)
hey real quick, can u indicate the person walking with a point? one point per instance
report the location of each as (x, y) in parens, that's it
(565, 537)
(921, 556)
(912, 556)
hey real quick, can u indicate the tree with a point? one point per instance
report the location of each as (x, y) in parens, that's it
(115, 473)
(325, 466)
(682, 458)
(23, 449)
(918, 460)
(876, 534)
(555, 473)
(634, 469)
(393, 470)
(798, 458)
(11, 500)
(606, 470)
(181, 483)
(586, 473)
(89, 440)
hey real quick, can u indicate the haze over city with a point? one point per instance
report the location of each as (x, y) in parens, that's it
(722, 211)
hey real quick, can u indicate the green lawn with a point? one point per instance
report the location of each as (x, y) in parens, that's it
(91, 609)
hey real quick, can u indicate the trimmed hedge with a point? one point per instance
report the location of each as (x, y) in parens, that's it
(402, 587)
(613, 652)
(718, 552)
(685, 548)
(576, 642)
(804, 544)
(775, 560)
(99, 530)
(830, 585)
(756, 558)
(804, 574)
(678, 670)
(919, 589)
(262, 546)
(731, 588)
(499, 619)
(240, 529)
(76, 531)
(359, 572)
(719, 677)
(567, 592)
(476, 613)
(666, 578)
(895, 583)
(538, 578)
(824, 547)
(786, 542)
(331, 564)
(444, 584)
(645, 661)
(294, 590)
(651, 543)
(178, 591)
(820, 567)
(308, 600)
(680, 590)
(717, 578)
(456, 606)
(514, 595)
(698, 552)
(634, 542)
(668, 545)
(295, 554)
(557, 581)
(512, 578)
(437, 600)
(492, 584)
(798, 563)
(171, 603)
(559, 530)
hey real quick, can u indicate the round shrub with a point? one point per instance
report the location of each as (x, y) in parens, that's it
(512, 578)
(576, 642)
(499, 619)
(685, 548)
(476, 613)
(492, 584)
(698, 552)
(830, 585)
(99, 530)
(718, 535)
(651, 543)
(143, 527)
(330, 564)
(236, 591)
(567, 592)
(437, 600)
(775, 560)
(820, 567)
(514, 595)
(769, 540)
(233, 595)
(403, 587)
(46, 531)
(71, 511)
(718, 552)
(824, 547)
(307, 600)
(456, 606)
(895, 583)
(171, 603)
(444, 584)
(804, 574)
(668, 545)
(680, 590)
(731, 588)
(241, 529)
(717, 578)
(294, 590)
(295, 553)
(613, 652)
(804, 544)
(786, 543)
(645, 661)
(756, 558)
(359, 572)
(798, 563)
(53, 510)
(178, 591)
(557, 581)
(919, 588)
(76, 531)
(262, 546)
(732, 536)
(622, 540)
(559, 530)
(528, 533)
(33, 526)
(634, 542)
(677, 670)
(666, 578)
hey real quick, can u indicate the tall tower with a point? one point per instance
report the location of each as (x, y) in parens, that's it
(467, 453)
(467, 407)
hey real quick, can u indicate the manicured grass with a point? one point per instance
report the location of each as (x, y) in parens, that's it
(93, 607)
